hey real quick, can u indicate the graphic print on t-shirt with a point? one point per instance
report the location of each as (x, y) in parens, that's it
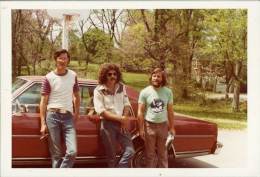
(157, 105)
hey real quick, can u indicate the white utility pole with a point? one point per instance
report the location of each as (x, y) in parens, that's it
(66, 26)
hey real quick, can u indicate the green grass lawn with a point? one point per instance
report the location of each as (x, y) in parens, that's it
(218, 111)
(136, 80)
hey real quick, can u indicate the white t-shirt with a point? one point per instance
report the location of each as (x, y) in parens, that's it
(60, 89)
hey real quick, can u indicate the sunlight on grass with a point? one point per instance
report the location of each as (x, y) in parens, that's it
(214, 111)
(219, 112)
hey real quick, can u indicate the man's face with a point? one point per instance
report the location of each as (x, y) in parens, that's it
(111, 76)
(157, 79)
(62, 61)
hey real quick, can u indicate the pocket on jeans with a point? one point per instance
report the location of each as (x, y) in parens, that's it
(50, 115)
(149, 129)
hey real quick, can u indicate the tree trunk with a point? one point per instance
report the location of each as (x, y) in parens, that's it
(235, 103)
(227, 91)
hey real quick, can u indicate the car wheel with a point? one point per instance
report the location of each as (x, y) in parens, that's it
(138, 160)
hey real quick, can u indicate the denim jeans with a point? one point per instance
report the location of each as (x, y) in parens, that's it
(155, 139)
(61, 126)
(111, 135)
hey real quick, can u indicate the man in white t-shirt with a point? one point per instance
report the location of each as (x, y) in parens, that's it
(112, 104)
(59, 91)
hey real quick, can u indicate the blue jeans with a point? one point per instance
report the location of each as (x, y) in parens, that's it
(111, 135)
(61, 126)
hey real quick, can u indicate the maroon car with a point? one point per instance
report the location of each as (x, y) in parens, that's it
(193, 137)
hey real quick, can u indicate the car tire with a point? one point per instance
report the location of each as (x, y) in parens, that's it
(138, 160)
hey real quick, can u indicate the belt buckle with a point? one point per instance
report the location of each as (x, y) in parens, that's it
(62, 111)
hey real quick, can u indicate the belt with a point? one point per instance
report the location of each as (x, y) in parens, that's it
(62, 111)
(155, 123)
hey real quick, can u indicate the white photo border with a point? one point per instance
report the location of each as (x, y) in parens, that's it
(253, 88)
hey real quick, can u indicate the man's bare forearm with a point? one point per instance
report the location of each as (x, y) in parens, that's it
(111, 116)
(76, 102)
(43, 108)
(140, 116)
(170, 116)
(126, 111)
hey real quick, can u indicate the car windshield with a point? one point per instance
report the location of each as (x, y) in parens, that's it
(17, 84)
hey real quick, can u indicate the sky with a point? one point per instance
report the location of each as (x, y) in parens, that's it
(83, 14)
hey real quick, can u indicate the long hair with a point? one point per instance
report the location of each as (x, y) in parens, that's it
(159, 70)
(104, 69)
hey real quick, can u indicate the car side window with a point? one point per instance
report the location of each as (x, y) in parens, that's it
(86, 100)
(29, 100)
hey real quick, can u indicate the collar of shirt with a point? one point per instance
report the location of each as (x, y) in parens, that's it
(104, 88)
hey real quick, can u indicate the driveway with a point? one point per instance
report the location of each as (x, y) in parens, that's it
(242, 97)
(230, 155)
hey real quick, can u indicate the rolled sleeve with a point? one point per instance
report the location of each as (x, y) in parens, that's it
(98, 102)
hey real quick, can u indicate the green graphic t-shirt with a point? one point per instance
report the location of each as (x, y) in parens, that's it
(156, 102)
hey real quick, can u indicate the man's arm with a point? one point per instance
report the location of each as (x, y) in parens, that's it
(171, 118)
(43, 107)
(126, 102)
(140, 116)
(111, 116)
(76, 101)
(127, 110)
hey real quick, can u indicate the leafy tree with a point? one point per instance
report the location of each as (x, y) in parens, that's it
(97, 45)
(134, 55)
(31, 40)
(226, 39)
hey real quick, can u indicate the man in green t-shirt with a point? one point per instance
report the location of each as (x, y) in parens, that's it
(155, 115)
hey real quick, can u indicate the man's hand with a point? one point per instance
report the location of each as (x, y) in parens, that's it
(124, 123)
(142, 134)
(44, 131)
(172, 131)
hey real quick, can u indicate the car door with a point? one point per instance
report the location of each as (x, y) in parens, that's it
(26, 141)
(89, 142)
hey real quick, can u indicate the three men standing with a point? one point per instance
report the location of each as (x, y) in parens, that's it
(59, 91)
(155, 115)
(112, 104)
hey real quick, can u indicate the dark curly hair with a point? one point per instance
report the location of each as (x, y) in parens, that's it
(104, 69)
(159, 70)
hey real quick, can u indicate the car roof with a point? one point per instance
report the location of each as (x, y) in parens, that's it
(40, 78)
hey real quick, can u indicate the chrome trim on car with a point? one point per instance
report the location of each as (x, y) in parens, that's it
(135, 136)
(192, 136)
(47, 161)
(36, 136)
(191, 153)
(219, 146)
(186, 154)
